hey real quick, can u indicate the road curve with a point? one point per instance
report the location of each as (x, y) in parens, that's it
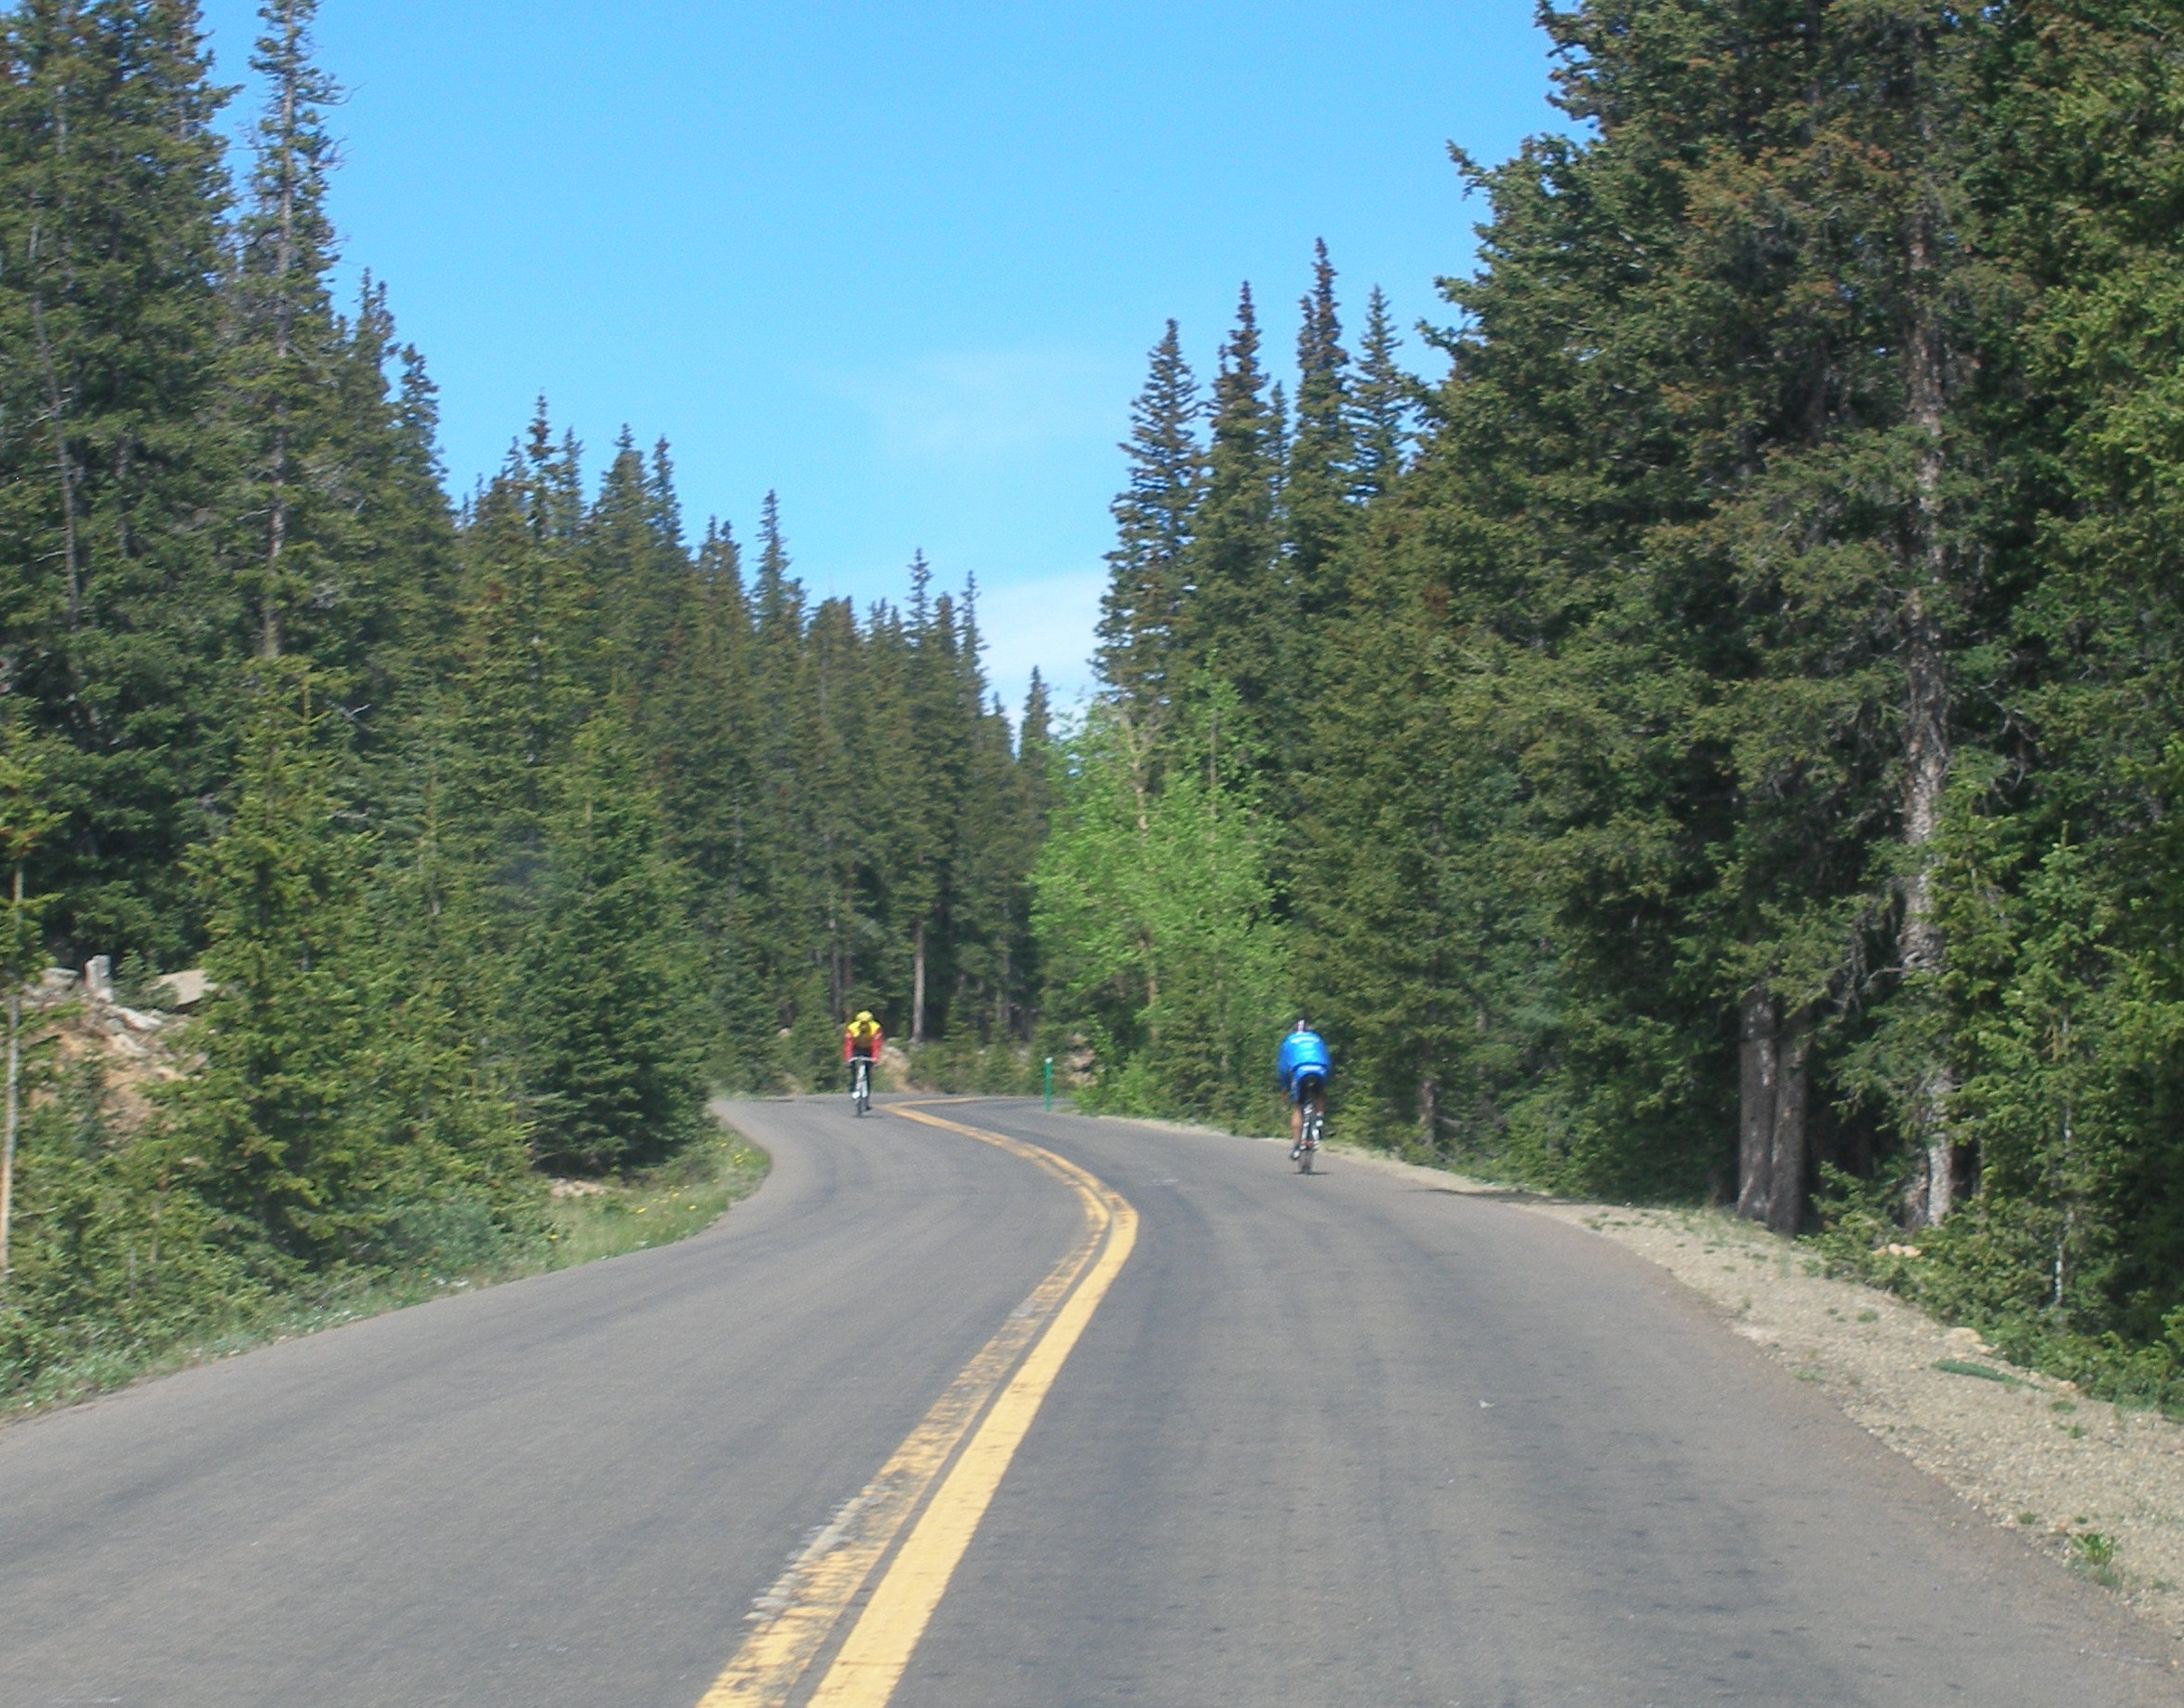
(1347, 1439)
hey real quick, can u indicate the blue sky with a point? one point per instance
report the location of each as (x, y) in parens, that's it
(901, 263)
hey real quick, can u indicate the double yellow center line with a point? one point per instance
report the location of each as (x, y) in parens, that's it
(799, 1615)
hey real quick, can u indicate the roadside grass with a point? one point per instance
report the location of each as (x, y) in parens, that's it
(656, 1208)
(605, 1219)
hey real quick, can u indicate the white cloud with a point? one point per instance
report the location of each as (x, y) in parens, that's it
(1047, 622)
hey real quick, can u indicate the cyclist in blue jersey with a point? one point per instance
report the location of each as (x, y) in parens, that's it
(1303, 1067)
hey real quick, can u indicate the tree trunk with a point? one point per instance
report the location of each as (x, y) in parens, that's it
(1927, 712)
(1790, 1143)
(917, 986)
(64, 469)
(12, 1117)
(1757, 1095)
(269, 609)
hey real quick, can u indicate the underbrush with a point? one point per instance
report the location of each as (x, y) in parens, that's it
(1978, 1271)
(655, 1207)
(210, 1303)
(960, 1066)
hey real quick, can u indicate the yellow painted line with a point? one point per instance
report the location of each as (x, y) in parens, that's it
(871, 1662)
(800, 1613)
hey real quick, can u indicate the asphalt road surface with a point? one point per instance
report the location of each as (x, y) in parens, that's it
(1340, 1440)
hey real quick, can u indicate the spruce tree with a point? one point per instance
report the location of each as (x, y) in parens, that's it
(1383, 409)
(611, 1061)
(1235, 621)
(273, 1111)
(1319, 476)
(705, 719)
(1141, 613)
(289, 354)
(399, 583)
(110, 200)
(27, 818)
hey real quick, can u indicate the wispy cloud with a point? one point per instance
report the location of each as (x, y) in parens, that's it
(988, 407)
(1046, 623)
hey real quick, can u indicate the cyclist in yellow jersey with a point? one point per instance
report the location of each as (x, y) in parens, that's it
(862, 1039)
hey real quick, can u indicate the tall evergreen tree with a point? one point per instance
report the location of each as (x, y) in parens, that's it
(273, 1111)
(1142, 612)
(1384, 405)
(111, 196)
(611, 1062)
(1236, 620)
(1319, 475)
(287, 352)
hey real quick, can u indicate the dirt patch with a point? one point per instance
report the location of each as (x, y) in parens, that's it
(2094, 1484)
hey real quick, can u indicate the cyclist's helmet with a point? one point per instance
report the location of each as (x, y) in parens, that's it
(864, 1016)
(1302, 1025)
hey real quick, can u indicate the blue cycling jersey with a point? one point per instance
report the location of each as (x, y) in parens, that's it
(1302, 1054)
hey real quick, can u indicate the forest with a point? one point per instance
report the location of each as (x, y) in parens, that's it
(1715, 744)
(503, 829)
(1720, 743)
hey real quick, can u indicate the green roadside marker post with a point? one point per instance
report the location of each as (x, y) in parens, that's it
(1050, 1084)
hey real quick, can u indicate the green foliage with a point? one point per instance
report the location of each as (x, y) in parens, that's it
(501, 832)
(1727, 730)
(605, 997)
(1156, 909)
(965, 1066)
(654, 1206)
(335, 1098)
(1148, 573)
(272, 1110)
(117, 1254)
(112, 200)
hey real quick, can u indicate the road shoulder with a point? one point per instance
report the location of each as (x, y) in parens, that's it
(2093, 1485)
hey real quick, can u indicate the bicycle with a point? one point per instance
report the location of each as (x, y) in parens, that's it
(1313, 1130)
(861, 1083)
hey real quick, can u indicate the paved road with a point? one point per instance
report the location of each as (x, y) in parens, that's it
(1345, 1440)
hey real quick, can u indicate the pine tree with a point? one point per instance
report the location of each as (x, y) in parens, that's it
(1236, 618)
(610, 1062)
(27, 818)
(289, 354)
(273, 1111)
(787, 906)
(704, 721)
(1319, 477)
(111, 199)
(400, 576)
(635, 561)
(1383, 410)
(1142, 610)
(1034, 743)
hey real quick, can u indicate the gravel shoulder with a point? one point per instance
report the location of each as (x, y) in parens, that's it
(2092, 1484)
